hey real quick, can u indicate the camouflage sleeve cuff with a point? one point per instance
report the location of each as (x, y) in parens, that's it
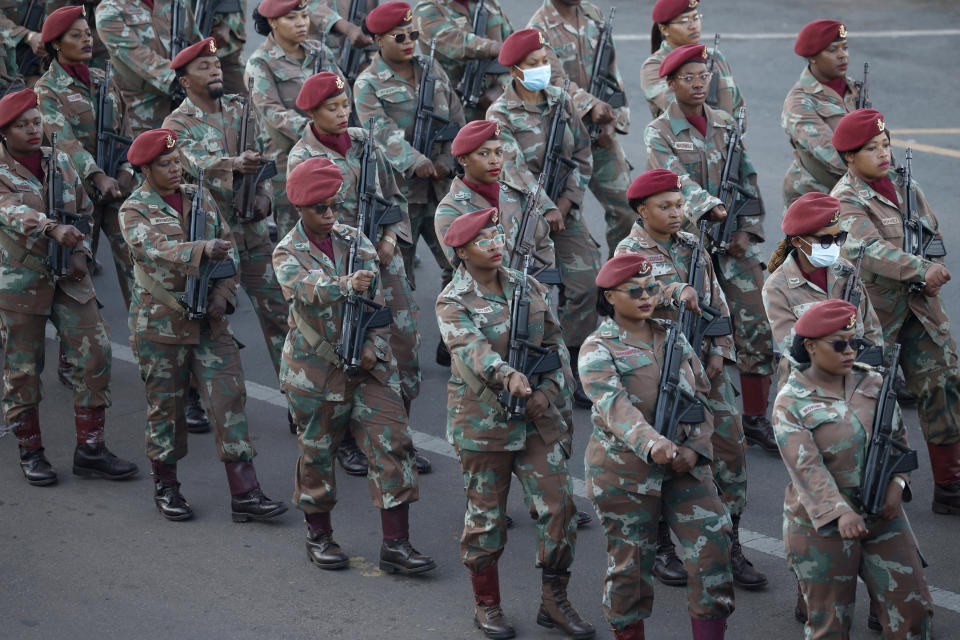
(678, 288)
(825, 518)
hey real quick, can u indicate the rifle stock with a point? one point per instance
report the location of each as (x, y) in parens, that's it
(674, 404)
(557, 167)
(602, 85)
(111, 147)
(737, 200)
(863, 100)
(245, 196)
(430, 128)
(711, 324)
(376, 211)
(470, 89)
(58, 256)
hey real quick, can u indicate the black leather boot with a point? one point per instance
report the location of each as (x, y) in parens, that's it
(580, 399)
(96, 460)
(556, 612)
(399, 556)
(352, 458)
(758, 431)
(324, 552)
(668, 568)
(197, 421)
(745, 575)
(36, 468)
(873, 617)
(904, 397)
(247, 501)
(170, 503)
(443, 354)
(583, 519)
(423, 463)
(488, 616)
(293, 425)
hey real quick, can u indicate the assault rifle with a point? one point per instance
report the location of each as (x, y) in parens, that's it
(873, 354)
(356, 318)
(374, 210)
(711, 324)
(863, 100)
(885, 456)
(195, 298)
(525, 243)
(352, 57)
(430, 128)
(470, 88)
(318, 63)
(714, 87)
(33, 20)
(556, 167)
(205, 13)
(602, 85)
(914, 232)
(737, 200)
(58, 256)
(178, 42)
(247, 193)
(674, 404)
(111, 146)
(524, 356)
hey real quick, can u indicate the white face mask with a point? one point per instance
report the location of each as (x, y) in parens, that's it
(820, 257)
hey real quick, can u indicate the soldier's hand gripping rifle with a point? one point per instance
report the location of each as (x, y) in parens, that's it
(557, 167)
(195, 299)
(714, 89)
(206, 11)
(58, 256)
(603, 86)
(525, 241)
(430, 127)
(359, 312)
(471, 87)
(32, 19)
(917, 239)
(246, 193)
(712, 323)
(873, 354)
(374, 210)
(863, 100)
(524, 356)
(353, 57)
(736, 199)
(111, 146)
(675, 404)
(178, 42)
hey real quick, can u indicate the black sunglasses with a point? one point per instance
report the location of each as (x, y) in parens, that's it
(638, 292)
(857, 344)
(826, 239)
(402, 37)
(333, 207)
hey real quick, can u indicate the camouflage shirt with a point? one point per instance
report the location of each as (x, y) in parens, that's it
(823, 439)
(24, 221)
(236, 27)
(659, 96)
(475, 325)
(675, 144)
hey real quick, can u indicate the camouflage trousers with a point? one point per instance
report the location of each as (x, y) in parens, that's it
(930, 369)
(578, 256)
(609, 182)
(742, 280)
(827, 567)
(694, 512)
(165, 370)
(421, 224)
(374, 414)
(729, 452)
(259, 281)
(86, 344)
(404, 336)
(547, 487)
(105, 218)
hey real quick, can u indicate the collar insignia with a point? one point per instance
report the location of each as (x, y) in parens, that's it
(836, 218)
(170, 142)
(497, 130)
(495, 217)
(843, 32)
(540, 35)
(339, 82)
(679, 183)
(852, 322)
(213, 46)
(881, 125)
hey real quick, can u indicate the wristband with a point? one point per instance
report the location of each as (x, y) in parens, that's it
(900, 481)
(391, 240)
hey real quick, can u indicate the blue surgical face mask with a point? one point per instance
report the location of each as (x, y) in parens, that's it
(820, 257)
(536, 79)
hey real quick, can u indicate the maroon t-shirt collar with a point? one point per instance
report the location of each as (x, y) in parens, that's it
(885, 187)
(340, 143)
(148, 3)
(489, 192)
(33, 163)
(79, 72)
(700, 122)
(817, 277)
(839, 85)
(325, 245)
(174, 200)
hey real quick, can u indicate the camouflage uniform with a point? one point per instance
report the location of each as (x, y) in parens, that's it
(823, 440)
(629, 491)
(323, 400)
(211, 142)
(658, 94)
(451, 24)
(810, 113)
(575, 54)
(12, 34)
(277, 79)
(230, 30)
(138, 40)
(675, 144)
(917, 322)
(787, 294)
(524, 133)
(392, 103)
(69, 109)
(29, 296)
(167, 346)
(671, 267)
(475, 325)
(404, 337)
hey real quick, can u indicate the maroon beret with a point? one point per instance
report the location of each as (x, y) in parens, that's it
(825, 318)
(621, 268)
(817, 36)
(667, 10)
(147, 146)
(474, 134)
(278, 8)
(857, 129)
(388, 17)
(466, 227)
(653, 182)
(318, 88)
(13, 104)
(809, 213)
(519, 45)
(58, 22)
(207, 47)
(682, 55)
(313, 181)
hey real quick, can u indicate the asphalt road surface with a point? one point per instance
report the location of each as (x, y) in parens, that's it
(93, 559)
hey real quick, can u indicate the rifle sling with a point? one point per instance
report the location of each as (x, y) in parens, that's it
(482, 391)
(157, 290)
(814, 168)
(21, 254)
(320, 345)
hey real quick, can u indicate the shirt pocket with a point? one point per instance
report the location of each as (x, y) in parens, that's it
(79, 111)
(397, 102)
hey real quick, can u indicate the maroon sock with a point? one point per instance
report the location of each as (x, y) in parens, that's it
(754, 391)
(395, 522)
(90, 422)
(164, 473)
(319, 522)
(26, 427)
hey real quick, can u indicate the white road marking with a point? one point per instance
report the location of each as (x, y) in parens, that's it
(854, 35)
